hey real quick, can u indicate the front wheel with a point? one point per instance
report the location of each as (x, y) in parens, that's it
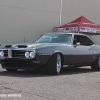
(54, 64)
(96, 64)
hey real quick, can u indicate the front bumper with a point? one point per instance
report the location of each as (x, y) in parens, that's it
(17, 59)
(20, 63)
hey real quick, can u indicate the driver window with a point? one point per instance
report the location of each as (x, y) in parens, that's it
(75, 40)
(84, 40)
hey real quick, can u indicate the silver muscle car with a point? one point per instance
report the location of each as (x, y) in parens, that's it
(52, 51)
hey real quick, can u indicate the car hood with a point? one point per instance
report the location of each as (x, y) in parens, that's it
(34, 46)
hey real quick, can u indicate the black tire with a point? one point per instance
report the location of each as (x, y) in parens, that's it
(96, 64)
(11, 70)
(54, 64)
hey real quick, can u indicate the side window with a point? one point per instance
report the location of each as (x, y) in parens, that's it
(75, 40)
(84, 40)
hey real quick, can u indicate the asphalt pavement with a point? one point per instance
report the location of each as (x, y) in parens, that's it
(70, 84)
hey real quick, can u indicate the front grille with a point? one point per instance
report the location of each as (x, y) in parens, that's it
(5, 53)
(19, 53)
(15, 53)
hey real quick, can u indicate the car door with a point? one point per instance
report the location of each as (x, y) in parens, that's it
(82, 51)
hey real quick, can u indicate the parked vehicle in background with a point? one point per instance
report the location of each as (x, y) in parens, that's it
(52, 51)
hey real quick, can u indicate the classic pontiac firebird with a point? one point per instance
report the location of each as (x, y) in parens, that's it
(52, 51)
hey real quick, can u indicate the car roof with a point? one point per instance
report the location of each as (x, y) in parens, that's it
(67, 33)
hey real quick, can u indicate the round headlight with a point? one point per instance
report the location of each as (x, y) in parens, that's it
(32, 54)
(1, 53)
(27, 54)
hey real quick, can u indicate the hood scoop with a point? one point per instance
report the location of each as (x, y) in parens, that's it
(8, 46)
(18, 46)
(22, 46)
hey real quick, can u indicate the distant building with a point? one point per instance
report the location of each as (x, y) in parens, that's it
(26, 20)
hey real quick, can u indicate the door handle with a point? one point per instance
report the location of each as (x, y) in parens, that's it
(89, 49)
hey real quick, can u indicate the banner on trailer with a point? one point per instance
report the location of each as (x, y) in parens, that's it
(89, 30)
(97, 30)
(68, 29)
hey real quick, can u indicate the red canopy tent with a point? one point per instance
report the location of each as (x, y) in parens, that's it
(80, 25)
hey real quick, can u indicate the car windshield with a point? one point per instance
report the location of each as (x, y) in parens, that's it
(55, 38)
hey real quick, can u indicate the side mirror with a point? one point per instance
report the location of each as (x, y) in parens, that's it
(78, 44)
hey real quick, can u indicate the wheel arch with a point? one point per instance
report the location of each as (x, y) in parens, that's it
(62, 56)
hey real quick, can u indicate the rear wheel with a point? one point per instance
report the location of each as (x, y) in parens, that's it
(96, 64)
(11, 70)
(54, 64)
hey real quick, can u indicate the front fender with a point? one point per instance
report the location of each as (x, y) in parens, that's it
(60, 52)
(45, 54)
(57, 52)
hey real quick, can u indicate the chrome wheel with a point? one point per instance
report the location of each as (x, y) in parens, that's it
(54, 64)
(58, 63)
